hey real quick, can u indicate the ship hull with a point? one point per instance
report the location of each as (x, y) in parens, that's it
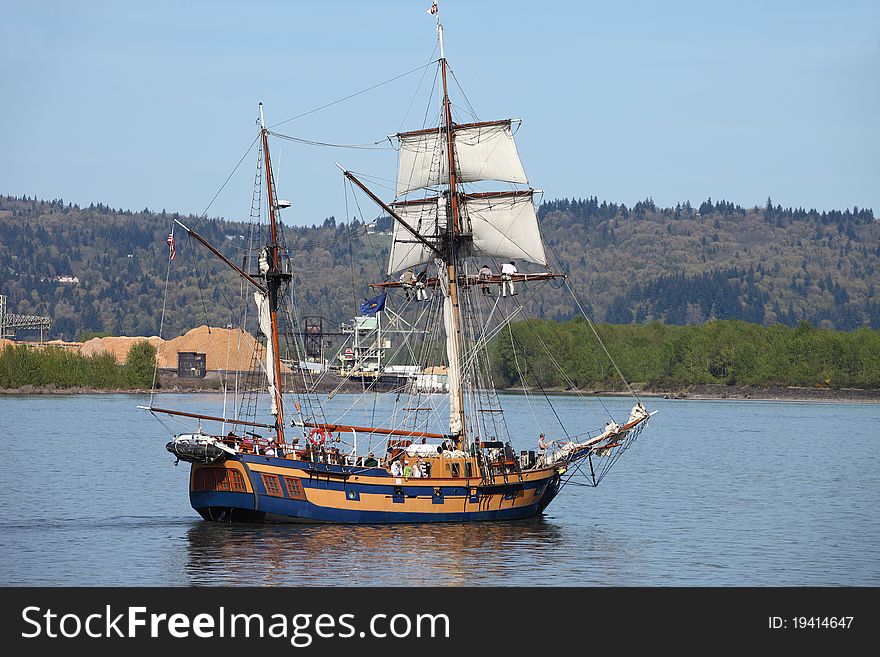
(266, 489)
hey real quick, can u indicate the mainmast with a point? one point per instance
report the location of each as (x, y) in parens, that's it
(452, 226)
(451, 311)
(274, 280)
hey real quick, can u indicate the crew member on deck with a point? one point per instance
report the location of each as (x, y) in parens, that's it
(508, 269)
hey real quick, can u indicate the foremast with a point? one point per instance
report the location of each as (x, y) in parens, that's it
(267, 302)
(267, 291)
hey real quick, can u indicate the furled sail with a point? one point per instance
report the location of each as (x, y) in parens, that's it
(428, 218)
(265, 319)
(453, 352)
(483, 151)
(504, 225)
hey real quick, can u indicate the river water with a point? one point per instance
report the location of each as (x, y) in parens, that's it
(714, 493)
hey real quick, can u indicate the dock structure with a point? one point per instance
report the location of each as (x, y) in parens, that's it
(9, 322)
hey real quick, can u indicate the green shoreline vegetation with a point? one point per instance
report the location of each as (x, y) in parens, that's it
(22, 366)
(554, 355)
(657, 356)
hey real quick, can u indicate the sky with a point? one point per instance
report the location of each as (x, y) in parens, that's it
(153, 104)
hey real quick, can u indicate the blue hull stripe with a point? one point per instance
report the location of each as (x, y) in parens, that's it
(413, 491)
(282, 509)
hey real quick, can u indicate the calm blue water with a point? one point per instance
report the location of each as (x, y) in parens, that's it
(714, 493)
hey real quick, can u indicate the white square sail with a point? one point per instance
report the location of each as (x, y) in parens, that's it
(504, 225)
(428, 218)
(483, 151)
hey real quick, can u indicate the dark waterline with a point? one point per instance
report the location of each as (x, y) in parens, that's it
(714, 493)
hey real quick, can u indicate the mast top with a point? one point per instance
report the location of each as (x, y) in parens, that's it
(435, 11)
(440, 37)
(262, 122)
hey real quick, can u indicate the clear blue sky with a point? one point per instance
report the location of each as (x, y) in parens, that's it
(151, 104)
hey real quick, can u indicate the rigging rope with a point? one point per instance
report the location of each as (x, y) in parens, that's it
(396, 422)
(419, 87)
(232, 173)
(161, 325)
(357, 93)
(350, 251)
(449, 45)
(522, 379)
(601, 342)
(559, 367)
(541, 385)
(364, 223)
(590, 323)
(467, 101)
(371, 146)
(485, 383)
(377, 181)
(199, 287)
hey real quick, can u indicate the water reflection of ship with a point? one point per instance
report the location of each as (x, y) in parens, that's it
(370, 555)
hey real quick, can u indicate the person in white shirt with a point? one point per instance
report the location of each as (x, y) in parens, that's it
(396, 469)
(421, 284)
(508, 269)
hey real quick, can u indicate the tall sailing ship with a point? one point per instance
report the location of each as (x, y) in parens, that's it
(296, 464)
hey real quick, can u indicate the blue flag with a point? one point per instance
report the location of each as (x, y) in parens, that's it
(374, 305)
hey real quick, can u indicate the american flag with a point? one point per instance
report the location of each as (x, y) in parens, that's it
(433, 10)
(170, 241)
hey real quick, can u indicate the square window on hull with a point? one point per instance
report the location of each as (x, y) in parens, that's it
(218, 480)
(272, 485)
(294, 488)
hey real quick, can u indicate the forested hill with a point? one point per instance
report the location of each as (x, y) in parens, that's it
(99, 269)
(685, 265)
